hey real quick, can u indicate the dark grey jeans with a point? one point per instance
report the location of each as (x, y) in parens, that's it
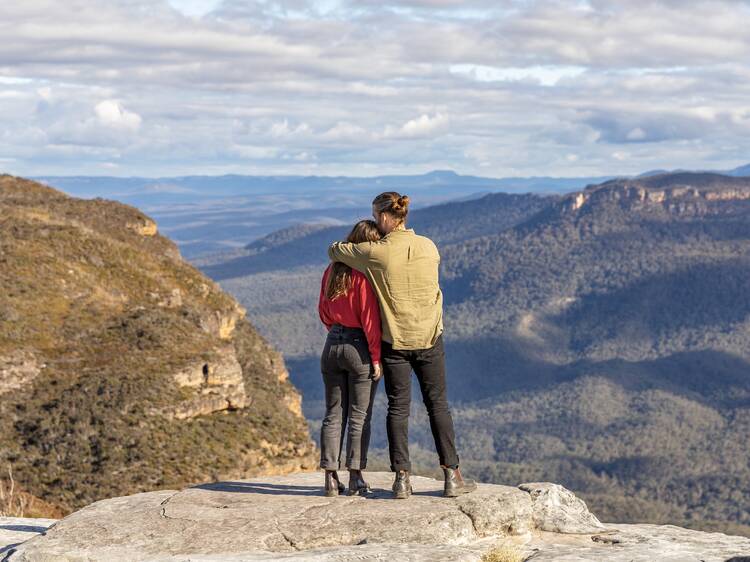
(350, 392)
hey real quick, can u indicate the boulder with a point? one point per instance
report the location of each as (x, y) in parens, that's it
(558, 510)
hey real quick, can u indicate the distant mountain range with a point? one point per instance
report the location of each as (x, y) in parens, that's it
(206, 214)
(742, 171)
(597, 338)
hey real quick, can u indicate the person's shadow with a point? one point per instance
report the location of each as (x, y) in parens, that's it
(261, 488)
(8, 549)
(24, 528)
(290, 490)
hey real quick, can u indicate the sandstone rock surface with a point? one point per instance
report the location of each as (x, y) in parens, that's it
(218, 385)
(288, 518)
(558, 510)
(16, 530)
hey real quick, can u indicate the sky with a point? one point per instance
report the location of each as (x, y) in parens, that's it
(369, 87)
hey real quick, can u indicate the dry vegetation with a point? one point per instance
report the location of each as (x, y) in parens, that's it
(505, 553)
(15, 502)
(88, 316)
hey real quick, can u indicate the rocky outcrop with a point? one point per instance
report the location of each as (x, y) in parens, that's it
(288, 518)
(122, 367)
(215, 384)
(17, 369)
(727, 195)
(222, 323)
(577, 201)
(144, 227)
(558, 510)
(677, 193)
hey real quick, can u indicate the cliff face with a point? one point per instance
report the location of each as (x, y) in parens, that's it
(685, 193)
(123, 368)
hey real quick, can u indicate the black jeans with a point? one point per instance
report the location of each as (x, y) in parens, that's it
(350, 393)
(429, 366)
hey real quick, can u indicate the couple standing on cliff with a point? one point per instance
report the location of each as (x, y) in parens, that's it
(381, 302)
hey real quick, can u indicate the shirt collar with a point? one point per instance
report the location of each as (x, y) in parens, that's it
(400, 231)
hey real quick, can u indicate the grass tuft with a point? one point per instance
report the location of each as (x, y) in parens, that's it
(505, 553)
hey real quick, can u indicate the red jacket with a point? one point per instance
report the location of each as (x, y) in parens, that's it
(359, 308)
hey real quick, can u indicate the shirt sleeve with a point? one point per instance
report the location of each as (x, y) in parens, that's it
(357, 256)
(369, 314)
(321, 301)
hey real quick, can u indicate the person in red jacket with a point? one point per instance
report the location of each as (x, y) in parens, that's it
(350, 364)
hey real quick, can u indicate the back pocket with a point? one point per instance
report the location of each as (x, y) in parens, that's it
(357, 355)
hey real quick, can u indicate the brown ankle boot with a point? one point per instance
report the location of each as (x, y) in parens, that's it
(332, 485)
(456, 484)
(402, 485)
(357, 484)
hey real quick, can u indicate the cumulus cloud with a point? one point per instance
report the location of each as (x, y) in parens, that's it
(282, 129)
(343, 131)
(111, 113)
(350, 86)
(419, 127)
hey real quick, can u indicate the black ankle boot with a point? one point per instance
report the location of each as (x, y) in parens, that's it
(455, 484)
(357, 484)
(402, 485)
(332, 485)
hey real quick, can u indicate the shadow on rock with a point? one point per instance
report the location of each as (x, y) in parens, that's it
(257, 488)
(23, 528)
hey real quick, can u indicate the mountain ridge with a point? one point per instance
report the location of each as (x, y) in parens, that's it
(209, 214)
(120, 364)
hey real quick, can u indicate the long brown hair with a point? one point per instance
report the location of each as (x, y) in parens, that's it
(340, 276)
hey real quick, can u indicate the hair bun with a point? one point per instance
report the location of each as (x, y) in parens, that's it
(393, 203)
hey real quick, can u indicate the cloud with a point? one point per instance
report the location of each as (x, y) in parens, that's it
(480, 153)
(163, 87)
(546, 76)
(343, 131)
(419, 127)
(255, 152)
(195, 8)
(112, 114)
(657, 126)
(462, 5)
(282, 129)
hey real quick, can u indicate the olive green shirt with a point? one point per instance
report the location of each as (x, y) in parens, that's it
(403, 269)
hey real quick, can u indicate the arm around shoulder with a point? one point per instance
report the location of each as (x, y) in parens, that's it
(358, 256)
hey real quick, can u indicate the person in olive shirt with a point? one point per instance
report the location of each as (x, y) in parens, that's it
(403, 269)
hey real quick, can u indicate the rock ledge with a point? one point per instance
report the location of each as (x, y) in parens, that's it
(288, 518)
